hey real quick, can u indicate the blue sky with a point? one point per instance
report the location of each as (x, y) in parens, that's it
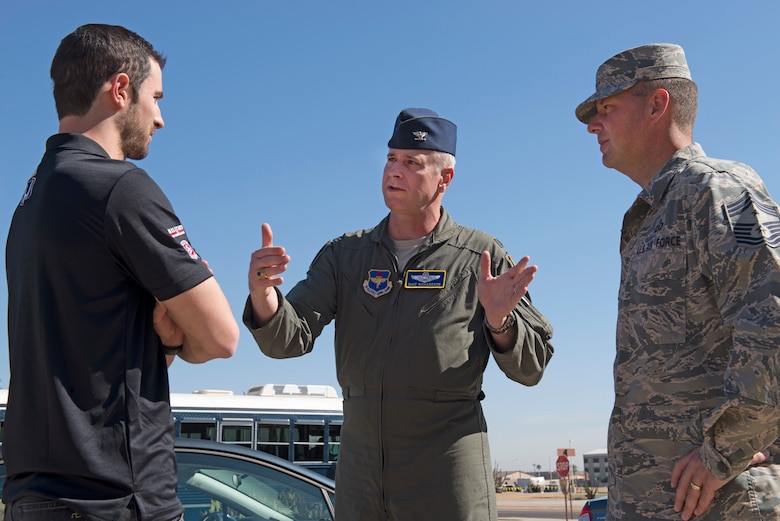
(280, 112)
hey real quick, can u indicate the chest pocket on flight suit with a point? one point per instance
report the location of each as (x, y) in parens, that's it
(456, 298)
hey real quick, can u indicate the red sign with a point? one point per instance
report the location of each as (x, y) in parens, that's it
(562, 466)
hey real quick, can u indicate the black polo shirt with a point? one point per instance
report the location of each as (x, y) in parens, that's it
(91, 244)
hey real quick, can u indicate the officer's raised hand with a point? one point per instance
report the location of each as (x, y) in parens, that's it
(264, 267)
(499, 295)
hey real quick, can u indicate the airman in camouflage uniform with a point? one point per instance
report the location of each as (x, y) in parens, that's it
(697, 399)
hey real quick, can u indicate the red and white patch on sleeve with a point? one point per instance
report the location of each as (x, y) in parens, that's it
(176, 231)
(190, 250)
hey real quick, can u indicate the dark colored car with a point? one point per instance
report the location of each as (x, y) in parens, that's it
(220, 482)
(594, 510)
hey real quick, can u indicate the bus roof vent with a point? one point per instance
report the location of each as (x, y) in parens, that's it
(213, 391)
(293, 390)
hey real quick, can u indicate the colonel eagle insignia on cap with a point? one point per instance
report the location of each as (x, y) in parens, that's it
(423, 129)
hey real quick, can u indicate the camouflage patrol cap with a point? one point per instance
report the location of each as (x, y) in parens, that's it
(423, 129)
(654, 61)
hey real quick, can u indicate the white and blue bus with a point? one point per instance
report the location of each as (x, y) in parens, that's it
(299, 423)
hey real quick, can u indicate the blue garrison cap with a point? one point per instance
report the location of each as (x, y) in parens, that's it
(423, 129)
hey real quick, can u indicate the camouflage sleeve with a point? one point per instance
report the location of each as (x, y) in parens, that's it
(774, 451)
(737, 231)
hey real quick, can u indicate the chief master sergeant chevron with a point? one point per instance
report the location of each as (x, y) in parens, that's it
(695, 424)
(418, 312)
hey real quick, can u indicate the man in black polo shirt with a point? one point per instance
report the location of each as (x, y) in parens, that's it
(104, 289)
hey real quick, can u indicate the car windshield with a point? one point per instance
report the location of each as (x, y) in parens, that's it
(208, 490)
(219, 486)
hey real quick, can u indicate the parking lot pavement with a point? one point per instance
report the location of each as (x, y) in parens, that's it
(519, 506)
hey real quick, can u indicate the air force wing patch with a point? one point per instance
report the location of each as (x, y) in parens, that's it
(378, 283)
(753, 222)
(427, 279)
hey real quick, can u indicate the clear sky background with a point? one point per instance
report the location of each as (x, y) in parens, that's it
(280, 112)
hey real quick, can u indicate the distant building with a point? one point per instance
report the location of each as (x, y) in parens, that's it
(522, 482)
(595, 463)
(516, 481)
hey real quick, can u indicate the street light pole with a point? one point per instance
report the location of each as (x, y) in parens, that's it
(573, 477)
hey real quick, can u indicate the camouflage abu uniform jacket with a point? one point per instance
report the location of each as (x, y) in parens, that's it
(410, 355)
(698, 339)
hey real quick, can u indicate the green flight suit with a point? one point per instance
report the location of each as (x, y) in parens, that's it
(411, 350)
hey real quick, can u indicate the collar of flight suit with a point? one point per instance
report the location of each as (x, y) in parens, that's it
(443, 231)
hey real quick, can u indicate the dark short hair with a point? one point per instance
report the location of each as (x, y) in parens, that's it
(89, 56)
(683, 93)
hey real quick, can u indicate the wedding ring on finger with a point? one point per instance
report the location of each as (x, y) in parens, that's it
(694, 486)
(262, 274)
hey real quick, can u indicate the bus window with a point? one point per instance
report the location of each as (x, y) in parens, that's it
(237, 434)
(294, 422)
(274, 438)
(309, 441)
(334, 441)
(199, 430)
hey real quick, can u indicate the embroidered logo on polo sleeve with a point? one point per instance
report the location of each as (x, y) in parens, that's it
(378, 283)
(28, 191)
(190, 250)
(176, 231)
(425, 279)
(753, 222)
